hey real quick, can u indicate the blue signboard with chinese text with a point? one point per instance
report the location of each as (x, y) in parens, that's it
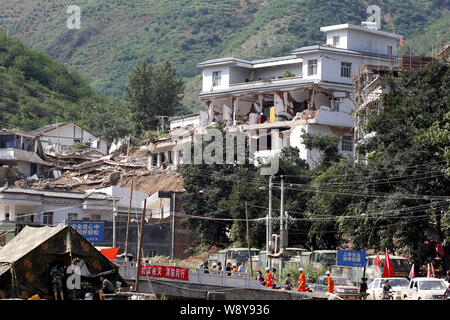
(91, 231)
(348, 258)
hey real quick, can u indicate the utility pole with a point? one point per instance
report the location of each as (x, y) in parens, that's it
(248, 241)
(269, 223)
(128, 221)
(282, 233)
(139, 253)
(172, 252)
(114, 213)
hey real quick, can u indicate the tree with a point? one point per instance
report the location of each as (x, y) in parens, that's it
(152, 93)
(407, 156)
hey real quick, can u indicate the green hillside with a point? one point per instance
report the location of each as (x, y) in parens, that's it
(36, 90)
(115, 35)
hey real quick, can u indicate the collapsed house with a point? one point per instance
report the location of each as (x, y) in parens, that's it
(21, 155)
(69, 140)
(309, 91)
(26, 260)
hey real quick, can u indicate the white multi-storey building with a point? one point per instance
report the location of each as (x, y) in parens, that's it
(310, 90)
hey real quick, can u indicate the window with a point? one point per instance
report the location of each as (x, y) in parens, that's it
(389, 49)
(346, 69)
(347, 143)
(47, 218)
(169, 156)
(7, 141)
(96, 217)
(72, 216)
(216, 78)
(312, 67)
(152, 253)
(336, 41)
(154, 160)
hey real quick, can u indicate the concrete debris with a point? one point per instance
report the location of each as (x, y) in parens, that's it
(115, 169)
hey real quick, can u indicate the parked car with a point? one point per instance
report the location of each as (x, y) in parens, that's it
(425, 289)
(375, 288)
(343, 287)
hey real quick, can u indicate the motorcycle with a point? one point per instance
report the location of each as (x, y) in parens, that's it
(387, 296)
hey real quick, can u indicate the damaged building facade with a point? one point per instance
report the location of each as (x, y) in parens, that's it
(21, 154)
(66, 137)
(309, 91)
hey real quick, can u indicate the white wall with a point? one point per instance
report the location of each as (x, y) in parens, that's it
(68, 133)
(342, 34)
(207, 78)
(369, 42)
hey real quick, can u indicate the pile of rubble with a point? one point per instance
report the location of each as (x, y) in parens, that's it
(115, 169)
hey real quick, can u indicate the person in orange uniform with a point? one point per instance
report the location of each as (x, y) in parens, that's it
(301, 284)
(235, 270)
(269, 278)
(330, 283)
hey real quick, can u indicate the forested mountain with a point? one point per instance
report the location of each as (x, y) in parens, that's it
(116, 35)
(36, 90)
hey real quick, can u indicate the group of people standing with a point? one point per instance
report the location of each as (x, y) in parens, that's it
(231, 269)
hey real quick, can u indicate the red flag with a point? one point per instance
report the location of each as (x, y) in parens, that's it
(388, 269)
(412, 274)
(377, 265)
(110, 253)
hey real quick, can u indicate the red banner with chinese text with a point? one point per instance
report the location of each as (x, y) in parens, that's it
(177, 273)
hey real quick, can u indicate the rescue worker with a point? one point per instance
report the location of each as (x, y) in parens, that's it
(214, 268)
(235, 270)
(269, 279)
(330, 283)
(301, 284)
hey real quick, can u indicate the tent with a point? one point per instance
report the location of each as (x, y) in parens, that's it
(26, 260)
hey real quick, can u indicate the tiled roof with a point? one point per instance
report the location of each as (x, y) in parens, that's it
(56, 194)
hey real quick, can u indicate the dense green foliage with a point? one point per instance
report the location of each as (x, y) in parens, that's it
(116, 35)
(152, 94)
(36, 90)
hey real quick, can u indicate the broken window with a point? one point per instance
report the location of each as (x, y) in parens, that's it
(216, 78)
(347, 143)
(312, 67)
(346, 69)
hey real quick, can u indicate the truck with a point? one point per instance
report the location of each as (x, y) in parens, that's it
(235, 255)
(323, 258)
(291, 256)
(400, 264)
